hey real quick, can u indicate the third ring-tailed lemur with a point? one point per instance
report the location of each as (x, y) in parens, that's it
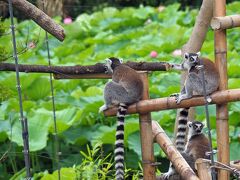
(125, 88)
(197, 146)
(194, 83)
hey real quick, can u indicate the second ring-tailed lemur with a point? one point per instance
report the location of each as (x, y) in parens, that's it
(125, 88)
(194, 83)
(197, 146)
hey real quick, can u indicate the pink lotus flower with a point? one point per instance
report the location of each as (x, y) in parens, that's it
(177, 52)
(153, 54)
(67, 20)
(31, 45)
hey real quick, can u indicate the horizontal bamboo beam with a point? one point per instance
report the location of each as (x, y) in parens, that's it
(145, 106)
(94, 70)
(226, 22)
(172, 153)
(39, 17)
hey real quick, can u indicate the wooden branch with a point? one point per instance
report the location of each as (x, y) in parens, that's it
(76, 70)
(226, 22)
(222, 125)
(200, 28)
(203, 168)
(145, 106)
(39, 17)
(172, 153)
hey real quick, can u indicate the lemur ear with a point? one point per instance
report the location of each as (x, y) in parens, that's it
(108, 61)
(186, 55)
(198, 53)
(121, 60)
(189, 124)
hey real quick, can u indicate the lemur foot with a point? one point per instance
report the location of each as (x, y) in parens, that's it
(178, 99)
(102, 108)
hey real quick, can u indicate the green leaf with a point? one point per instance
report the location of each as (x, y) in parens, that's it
(67, 173)
(38, 131)
(234, 150)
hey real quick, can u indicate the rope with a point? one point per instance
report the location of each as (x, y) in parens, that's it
(56, 142)
(22, 118)
(201, 66)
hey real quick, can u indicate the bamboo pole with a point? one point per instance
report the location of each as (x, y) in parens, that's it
(203, 169)
(172, 153)
(146, 136)
(145, 106)
(227, 22)
(220, 44)
(39, 17)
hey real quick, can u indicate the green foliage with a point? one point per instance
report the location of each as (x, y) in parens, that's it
(129, 33)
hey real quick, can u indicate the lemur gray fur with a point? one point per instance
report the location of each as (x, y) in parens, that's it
(194, 83)
(125, 88)
(196, 147)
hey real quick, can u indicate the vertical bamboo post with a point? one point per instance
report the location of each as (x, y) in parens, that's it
(222, 111)
(203, 169)
(146, 137)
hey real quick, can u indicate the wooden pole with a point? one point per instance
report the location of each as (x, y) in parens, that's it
(146, 137)
(220, 43)
(145, 106)
(172, 153)
(203, 169)
(227, 22)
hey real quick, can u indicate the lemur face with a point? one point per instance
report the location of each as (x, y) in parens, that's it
(113, 62)
(192, 58)
(195, 126)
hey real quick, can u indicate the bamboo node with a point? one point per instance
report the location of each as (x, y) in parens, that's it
(220, 52)
(145, 121)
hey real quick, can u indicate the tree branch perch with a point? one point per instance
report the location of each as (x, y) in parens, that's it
(39, 17)
(92, 71)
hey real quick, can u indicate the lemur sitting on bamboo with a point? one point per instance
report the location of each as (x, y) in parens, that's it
(197, 145)
(125, 88)
(194, 83)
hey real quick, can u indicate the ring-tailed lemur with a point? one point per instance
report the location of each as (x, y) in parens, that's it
(194, 83)
(125, 88)
(197, 146)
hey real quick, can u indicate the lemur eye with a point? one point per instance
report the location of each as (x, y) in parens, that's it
(192, 59)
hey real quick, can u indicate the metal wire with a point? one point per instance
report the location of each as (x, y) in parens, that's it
(213, 172)
(22, 118)
(56, 142)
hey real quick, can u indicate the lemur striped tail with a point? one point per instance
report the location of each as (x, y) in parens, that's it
(119, 144)
(182, 129)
